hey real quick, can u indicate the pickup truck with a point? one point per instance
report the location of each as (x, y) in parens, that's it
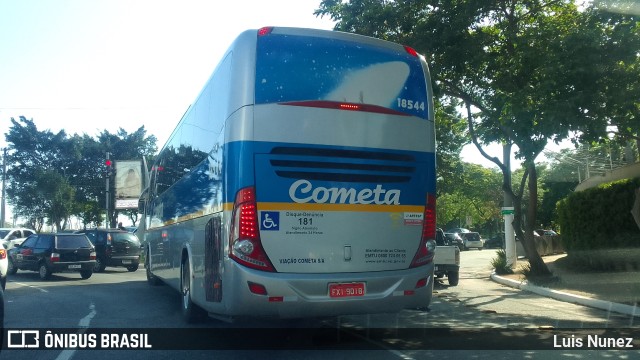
(446, 259)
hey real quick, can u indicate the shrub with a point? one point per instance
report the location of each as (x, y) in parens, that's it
(600, 218)
(500, 264)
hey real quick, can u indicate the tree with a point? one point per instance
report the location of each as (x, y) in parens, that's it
(38, 188)
(54, 177)
(528, 71)
(451, 137)
(476, 195)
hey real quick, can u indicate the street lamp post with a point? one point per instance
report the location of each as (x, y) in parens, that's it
(4, 184)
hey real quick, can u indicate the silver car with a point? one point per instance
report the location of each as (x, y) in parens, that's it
(472, 240)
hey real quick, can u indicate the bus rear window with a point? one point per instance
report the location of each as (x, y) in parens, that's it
(301, 68)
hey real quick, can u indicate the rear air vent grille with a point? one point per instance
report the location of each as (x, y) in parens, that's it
(342, 165)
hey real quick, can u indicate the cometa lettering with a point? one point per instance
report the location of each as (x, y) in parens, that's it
(303, 191)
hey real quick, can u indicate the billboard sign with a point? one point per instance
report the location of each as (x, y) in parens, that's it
(128, 183)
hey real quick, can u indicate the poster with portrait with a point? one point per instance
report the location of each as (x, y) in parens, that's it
(128, 182)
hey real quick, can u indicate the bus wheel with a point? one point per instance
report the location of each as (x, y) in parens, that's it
(191, 312)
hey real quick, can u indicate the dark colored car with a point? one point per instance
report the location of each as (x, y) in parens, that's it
(455, 239)
(114, 248)
(52, 253)
(495, 242)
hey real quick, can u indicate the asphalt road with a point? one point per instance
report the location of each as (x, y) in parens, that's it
(475, 315)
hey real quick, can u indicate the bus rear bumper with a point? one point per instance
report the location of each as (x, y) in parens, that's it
(308, 295)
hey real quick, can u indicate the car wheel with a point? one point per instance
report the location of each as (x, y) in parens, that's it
(44, 271)
(85, 274)
(99, 266)
(453, 277)
(190, 311)
(151, 279)
(12, 269)
(133, 267)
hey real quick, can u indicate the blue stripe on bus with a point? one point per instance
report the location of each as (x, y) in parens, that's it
(202, 191)
(274, 182)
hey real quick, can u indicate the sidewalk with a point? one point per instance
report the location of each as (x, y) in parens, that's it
(616, 291)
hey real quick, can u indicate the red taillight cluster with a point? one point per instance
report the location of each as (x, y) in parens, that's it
(265, 31)
(3, 254)
(55, 257)
(411, 51)
(92, 255)
(245, 244)
(429, 226)
(426, 250)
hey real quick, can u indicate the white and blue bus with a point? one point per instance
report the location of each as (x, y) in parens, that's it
(300, 183)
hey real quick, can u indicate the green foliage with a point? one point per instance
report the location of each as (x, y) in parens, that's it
(54, 176)
(450, 139)
(476, 193)
(533, 70)
(600, 218)
(499, 263)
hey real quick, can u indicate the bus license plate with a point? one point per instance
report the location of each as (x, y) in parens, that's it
(126, 262)
(346, 290)
(75, 266)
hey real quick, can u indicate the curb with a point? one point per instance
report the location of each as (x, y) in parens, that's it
(567, 297)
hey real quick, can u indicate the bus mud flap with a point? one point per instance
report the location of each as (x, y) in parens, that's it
(212, 254)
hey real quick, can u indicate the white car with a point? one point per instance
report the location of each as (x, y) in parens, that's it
(472, 240)
(11, 237)
(4, 265)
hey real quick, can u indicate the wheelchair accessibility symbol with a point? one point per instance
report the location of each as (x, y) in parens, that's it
(270, 220)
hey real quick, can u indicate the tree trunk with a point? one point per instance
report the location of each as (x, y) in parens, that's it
(538, 267)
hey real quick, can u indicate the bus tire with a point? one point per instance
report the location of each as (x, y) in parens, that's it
(453, 277)
(191, 312)
(151, 279)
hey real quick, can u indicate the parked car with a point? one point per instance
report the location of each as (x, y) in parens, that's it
(455, 239)
(542, 232)
(114, 248)
(4, 266)
(10, 237)
(458, 230)
(131, 229)
(472, 240)
(52, 253)
(495, 242)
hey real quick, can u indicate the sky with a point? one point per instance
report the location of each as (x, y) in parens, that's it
(85, 66)
(88, 66)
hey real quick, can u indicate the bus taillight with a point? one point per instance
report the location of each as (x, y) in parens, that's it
(411, 51)
(245, 245)
(265, 30)
(427, 247)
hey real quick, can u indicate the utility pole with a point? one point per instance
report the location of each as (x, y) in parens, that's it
(108, 177)
(4, 185)
(507, 211)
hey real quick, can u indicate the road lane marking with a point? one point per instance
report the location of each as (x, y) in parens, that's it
(31, 286)
(84, 325)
